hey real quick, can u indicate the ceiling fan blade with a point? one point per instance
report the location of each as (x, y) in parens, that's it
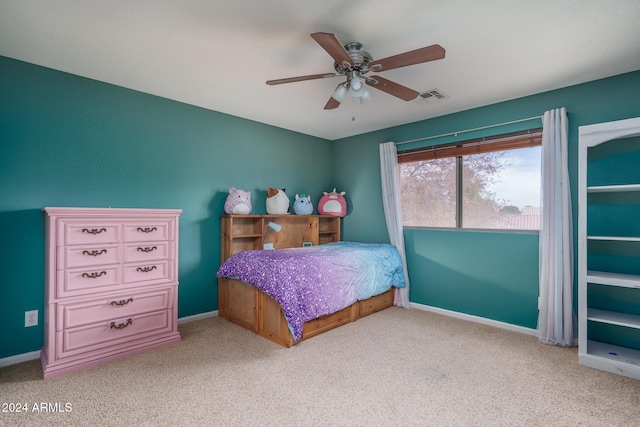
(331, 104)
(301, 78)
(392, 88)
(418, 56)
(332, 45)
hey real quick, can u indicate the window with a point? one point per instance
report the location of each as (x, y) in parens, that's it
(487, 183)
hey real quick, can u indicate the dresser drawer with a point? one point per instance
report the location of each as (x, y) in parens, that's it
(126, 304)
(82, 256)
(76, 232)
(151, 272)
(140, 252)
(81, 281)
(116, 331)
(148, 231)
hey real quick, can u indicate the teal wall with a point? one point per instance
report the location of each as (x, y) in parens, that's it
(492, 275)
(71, 141)
(488, 274)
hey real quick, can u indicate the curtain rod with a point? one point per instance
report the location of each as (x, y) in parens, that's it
(468, 130)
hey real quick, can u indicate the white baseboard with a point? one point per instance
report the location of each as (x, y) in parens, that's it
(32, 355)
(476, 319)
(19, 358)
(199, 316)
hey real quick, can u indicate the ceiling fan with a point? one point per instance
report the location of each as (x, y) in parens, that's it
(353, 63)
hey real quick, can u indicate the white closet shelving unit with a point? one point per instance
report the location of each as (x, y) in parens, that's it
(609, 247)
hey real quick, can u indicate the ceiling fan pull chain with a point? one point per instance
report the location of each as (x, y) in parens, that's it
(353, 108)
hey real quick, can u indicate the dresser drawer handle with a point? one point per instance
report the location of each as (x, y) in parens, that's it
(94, 230)
(94, 252)
(121, 302)
(147, 249)
(146, 269)
(94, 275)
(121, 325)
(147, 229)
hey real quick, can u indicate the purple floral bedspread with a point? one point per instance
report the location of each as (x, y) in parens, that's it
(314, 281)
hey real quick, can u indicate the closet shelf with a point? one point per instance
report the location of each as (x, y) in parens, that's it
(630, 358)
(613, 188)
(613, 279)
(615, 238)
(614, 318)
(246, 236)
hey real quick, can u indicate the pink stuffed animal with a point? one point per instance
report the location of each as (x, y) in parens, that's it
(333, 204)
(238, 202)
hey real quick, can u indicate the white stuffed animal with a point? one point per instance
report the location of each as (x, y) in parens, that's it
(277, 201)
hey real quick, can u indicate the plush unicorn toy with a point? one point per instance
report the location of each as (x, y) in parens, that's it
(302, 205)
(333, 204)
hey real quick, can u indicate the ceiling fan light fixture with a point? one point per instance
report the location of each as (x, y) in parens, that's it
(356, 83)
(365, 97)
(357, 88)
(340, 92)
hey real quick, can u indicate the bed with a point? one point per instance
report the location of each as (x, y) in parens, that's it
(288, 295)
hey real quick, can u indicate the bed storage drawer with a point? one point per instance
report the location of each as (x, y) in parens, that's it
(376, 303)
(328, 322)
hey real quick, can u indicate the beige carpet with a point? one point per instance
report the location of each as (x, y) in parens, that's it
(397, 367)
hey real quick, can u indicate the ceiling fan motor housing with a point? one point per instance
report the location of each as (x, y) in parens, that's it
(359, 57)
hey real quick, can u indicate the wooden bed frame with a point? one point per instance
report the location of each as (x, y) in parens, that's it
(254, 310)
(249, 307)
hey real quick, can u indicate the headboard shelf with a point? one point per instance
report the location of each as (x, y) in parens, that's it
(245, 232)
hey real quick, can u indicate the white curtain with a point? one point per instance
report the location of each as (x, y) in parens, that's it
(556, 317)
(390, 178)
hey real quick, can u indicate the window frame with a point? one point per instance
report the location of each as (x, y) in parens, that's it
(502, 142)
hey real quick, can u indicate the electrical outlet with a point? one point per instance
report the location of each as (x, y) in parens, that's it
(30, 318)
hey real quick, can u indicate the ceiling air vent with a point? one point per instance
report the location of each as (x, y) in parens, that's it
(431, 96)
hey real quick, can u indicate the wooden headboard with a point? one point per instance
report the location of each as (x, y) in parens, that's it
(244, 232)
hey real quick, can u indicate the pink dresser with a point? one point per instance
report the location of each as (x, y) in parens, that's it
(111, 285)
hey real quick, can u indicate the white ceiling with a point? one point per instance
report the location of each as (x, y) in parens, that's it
(218, 54)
